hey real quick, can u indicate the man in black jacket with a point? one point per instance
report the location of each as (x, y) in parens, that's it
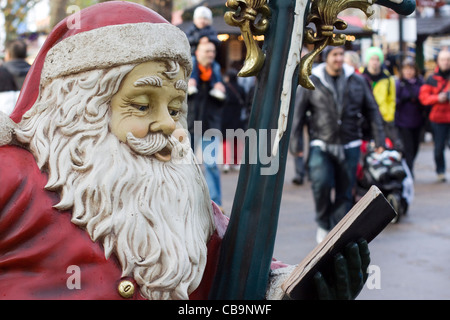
(12, 74)
(341, 100)
(15, 64)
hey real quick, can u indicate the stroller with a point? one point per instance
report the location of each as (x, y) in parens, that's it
(390, 173)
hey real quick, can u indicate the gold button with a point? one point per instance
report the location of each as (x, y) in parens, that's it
(126, 289)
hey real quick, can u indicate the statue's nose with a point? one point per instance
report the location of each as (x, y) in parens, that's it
(162, 122)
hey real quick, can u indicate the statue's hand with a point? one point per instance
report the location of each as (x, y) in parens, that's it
(350, 273)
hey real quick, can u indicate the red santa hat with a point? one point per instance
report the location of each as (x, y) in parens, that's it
(104, 35)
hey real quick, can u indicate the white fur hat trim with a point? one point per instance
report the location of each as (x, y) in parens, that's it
(116, 45)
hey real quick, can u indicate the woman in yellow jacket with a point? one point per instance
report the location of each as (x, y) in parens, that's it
(383, 88)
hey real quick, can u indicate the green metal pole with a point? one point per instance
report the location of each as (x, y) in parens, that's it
(247, 247)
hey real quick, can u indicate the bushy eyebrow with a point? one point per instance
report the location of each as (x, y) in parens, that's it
(181, 85)
(155, 81)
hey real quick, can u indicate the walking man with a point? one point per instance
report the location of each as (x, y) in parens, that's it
(12, 74)
(336, 108)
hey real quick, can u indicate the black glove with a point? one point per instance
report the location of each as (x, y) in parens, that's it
(350, 273)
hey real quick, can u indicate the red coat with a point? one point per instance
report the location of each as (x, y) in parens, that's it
(428, 95)
(38, 243)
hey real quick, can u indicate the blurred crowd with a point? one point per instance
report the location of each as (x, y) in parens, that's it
(408, 107)
(367, 102)
(345, 154)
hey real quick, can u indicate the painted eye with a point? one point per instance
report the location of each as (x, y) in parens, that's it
(140, 107)
(174, 113)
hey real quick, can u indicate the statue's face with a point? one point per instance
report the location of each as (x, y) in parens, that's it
(148, 101)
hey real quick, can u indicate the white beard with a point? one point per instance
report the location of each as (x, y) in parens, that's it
(156, 217)
(153, 215)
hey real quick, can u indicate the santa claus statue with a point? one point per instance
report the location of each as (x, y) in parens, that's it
(101, 196)
(98, 173)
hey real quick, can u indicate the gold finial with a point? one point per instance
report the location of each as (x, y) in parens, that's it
(245, 17)
(324, 14)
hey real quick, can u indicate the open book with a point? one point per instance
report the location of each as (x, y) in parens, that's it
(370, 215)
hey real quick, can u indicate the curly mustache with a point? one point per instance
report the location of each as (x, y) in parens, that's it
(159, 142)
(148, 145)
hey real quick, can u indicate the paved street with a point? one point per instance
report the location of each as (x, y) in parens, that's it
(413, 256)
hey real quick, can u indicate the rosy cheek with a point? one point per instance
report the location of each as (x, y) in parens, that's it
(139, 129)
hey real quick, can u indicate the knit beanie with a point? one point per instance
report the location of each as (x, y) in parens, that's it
(203, 12)
(327, 50)
(373, 51)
